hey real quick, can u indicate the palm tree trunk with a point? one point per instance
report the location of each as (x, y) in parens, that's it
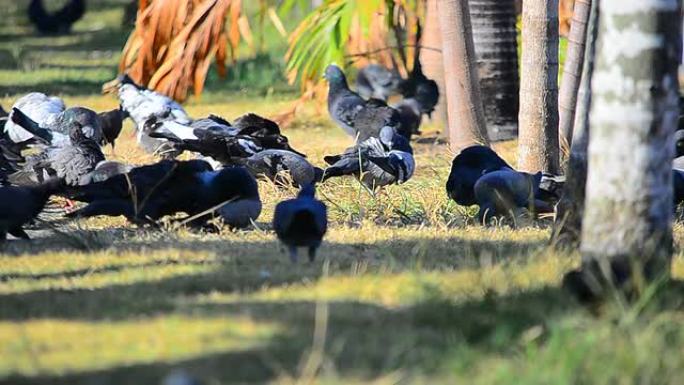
(628, 216)
(567, 98)
(569, 211)
(496, 49)
(538, 136)
(466, 116)
(431, 60)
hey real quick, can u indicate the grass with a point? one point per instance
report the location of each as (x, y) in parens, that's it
(407, 288)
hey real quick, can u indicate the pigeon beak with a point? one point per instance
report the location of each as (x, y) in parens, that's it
(111, 86)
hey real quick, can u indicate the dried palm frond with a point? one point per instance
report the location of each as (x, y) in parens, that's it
(175, 41)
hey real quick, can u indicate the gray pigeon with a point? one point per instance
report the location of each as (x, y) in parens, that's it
(71, 162)
(377, 82)
(507, 192)
(359, 118)
(57, 132)
(301, 222)
(20, 205)
(274, 163)
(377, 162)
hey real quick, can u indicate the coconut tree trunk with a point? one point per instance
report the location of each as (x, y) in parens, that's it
(572, 71)
(466, 116)
(570, 208)
(538, 136)
(628, 216)
(431, 60)
(496, 50)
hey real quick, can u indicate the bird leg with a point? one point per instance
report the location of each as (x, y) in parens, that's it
(312, 253)
(69, 206)
(293, 254)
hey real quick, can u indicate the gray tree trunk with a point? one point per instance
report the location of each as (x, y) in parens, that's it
(628, 216)
(466, 116)
(496, 50)
(572, 71)
(569, 211)
(431, 60)
(538, 135)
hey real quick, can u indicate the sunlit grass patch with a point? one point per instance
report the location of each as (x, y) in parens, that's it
(54, 346)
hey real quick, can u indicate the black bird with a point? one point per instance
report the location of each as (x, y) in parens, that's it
(112, 123)
(58, 132)
(467, 167)
(507, 192)
(678, 180)
(148, 193)
(71, 162)
(359, 118)
(3, 117)
(20, 205)
(374, 81)
(59, 22)
(301, 222)
(377, 162)
(273, 164)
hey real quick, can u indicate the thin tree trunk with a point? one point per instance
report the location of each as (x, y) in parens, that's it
(628, 216)
(496, 49)
(466, 116)
(569, 211)
(431, 60)
(538, 136)
(574, 58)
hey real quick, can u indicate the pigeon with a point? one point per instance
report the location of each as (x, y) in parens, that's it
(301, 222)
(57, 132)
(359, 118)
(216, 138)
(274, 163)
(112, 123)
(59, 22)
(148, 193)
(20, 205)
(38, 107)
(71, 163)
(507, 192)
(377, 82)
(467, 167)
(108, 169)
(377, 162)
(142, 104)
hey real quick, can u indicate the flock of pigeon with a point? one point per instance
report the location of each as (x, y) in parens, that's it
(49, 150)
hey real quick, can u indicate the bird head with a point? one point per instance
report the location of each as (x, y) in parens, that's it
(334, 74)
(113, 85)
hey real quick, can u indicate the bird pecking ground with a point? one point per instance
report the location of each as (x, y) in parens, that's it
(406, 289)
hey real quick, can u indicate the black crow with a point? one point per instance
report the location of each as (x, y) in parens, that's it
(301, 222)
(111, 123)
(148, 193)
(56, 23)
(20, 205)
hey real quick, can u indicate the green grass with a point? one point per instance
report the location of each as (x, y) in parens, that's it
(407, 288)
